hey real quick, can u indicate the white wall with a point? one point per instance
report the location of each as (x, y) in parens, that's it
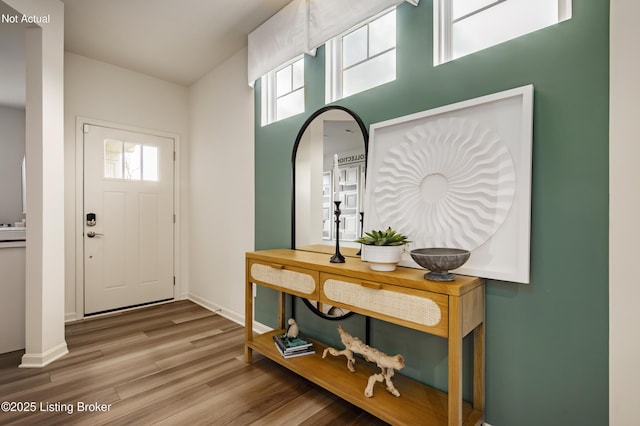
(104, 92)
(12, 146)
(216, 163)
(624, 226)
(222, 186)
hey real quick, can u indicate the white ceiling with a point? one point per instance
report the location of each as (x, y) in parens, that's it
(174, 40)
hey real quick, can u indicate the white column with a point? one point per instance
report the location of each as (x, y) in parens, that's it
(45, 288)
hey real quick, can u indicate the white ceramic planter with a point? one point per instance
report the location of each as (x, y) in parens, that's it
(383, 258)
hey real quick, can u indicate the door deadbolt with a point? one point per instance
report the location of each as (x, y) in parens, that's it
(91, 219)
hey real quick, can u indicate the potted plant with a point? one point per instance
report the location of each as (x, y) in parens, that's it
(383, 249)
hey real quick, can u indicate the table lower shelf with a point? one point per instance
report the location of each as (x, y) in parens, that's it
(417, 404)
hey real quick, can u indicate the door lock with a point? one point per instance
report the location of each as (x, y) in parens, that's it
(91, 219)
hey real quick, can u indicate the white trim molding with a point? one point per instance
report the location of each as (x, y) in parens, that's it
(227, 313)
(44, 359)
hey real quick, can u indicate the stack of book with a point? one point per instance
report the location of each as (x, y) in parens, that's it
(293, 347)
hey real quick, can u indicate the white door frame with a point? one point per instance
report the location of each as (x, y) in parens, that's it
(79, 208)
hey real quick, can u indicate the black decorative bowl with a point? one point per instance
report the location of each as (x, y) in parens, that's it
(439, 261)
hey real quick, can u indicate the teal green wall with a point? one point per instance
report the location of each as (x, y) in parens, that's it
(547, 342)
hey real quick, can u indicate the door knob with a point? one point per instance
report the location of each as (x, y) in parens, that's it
(92, 234)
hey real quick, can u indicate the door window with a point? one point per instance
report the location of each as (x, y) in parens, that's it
(130, 161)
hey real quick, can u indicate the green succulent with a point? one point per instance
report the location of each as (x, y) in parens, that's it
(383, 238)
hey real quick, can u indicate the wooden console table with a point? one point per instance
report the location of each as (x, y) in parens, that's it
(449, 310)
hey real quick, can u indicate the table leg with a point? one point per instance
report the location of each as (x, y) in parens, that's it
(282, 304)
(248, 317)
(455, 362)
(478, 368)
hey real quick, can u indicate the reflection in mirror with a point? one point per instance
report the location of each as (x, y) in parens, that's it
(331, 131)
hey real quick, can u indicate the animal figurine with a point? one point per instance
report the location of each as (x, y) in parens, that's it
(386, 363)
(293, 330)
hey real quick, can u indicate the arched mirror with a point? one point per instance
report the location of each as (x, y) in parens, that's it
(329, 133)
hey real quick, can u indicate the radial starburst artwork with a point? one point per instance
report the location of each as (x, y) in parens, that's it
(449, 183)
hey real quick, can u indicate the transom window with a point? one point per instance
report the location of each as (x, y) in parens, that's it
(283, 92)
(362, 58)
(462, 27)
(130, 161)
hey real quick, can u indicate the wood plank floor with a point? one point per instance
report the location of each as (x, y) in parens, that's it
(171, 364)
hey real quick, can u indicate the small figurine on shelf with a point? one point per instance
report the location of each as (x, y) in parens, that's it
(386, 363)
(292, 343)
(293, 329)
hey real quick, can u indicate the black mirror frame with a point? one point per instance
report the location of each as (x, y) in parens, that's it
(365, 135)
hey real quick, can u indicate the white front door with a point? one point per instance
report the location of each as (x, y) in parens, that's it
(128, 218)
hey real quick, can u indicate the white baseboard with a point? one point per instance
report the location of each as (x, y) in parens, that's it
(214, 307)
(227, 313)
(44, 359)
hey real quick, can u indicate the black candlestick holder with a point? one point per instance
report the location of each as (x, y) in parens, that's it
(337, 257)
(361, 231)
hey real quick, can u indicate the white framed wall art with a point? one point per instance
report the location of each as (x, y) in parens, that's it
(458, 176)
